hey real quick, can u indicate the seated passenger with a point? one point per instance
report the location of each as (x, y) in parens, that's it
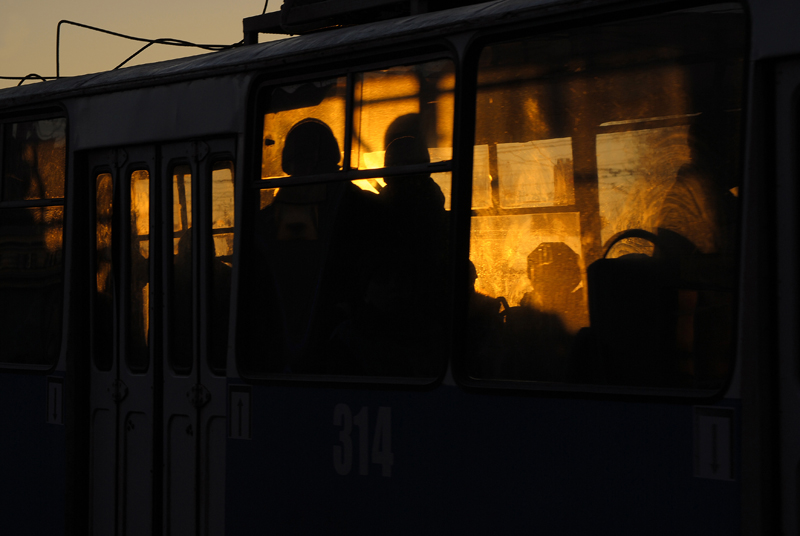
(666, 320)
(695, 227)
(555, 274)
(539, 332)
(485, 323)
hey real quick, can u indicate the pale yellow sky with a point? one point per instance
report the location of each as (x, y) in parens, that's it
(28, 32)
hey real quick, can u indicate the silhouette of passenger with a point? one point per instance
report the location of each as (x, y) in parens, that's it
(309, 241)
(666, 320)
(555, 275)
(414, 204)
(485, 323)
(695, 228)
(310, 148)
(536, 337)
(287, 268)
(395, 325)
(698, 212)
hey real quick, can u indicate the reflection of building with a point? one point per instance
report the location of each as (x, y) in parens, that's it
(536, 173)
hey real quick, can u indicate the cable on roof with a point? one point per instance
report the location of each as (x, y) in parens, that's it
(161, 41)
(27, 77)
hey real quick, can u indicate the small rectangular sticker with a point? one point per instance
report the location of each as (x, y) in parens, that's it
(55, 400)
(713, 443)
(239, 412)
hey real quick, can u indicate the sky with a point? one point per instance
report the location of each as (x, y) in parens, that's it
(28, 32)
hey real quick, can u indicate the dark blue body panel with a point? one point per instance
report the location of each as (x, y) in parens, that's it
(33, 458)
(474, 463)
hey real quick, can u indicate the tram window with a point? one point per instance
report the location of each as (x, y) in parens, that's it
(222, 218)
(347, 277)
(181, 310)
(31, 236)
(138, 354)
(103, 334)
(603, 251)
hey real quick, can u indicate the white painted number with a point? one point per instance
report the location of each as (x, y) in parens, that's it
(343, 454)
(361, 420)
(381, 442)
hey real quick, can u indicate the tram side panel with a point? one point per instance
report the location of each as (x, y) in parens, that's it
(602, 254)
(471, 463)
(33, 454)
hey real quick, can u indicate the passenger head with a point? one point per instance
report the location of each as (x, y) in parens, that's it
(404, 142)
(310, 147)
(405, 151)
(473, 275)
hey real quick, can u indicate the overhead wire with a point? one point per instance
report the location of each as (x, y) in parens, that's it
(149, 42)
(161, 41)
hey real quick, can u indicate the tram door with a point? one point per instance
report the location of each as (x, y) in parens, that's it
(159, 333)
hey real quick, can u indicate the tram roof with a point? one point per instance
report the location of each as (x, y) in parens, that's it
(320, 44)
(245, 58)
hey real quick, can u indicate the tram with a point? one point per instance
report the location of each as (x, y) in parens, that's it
(509, 267)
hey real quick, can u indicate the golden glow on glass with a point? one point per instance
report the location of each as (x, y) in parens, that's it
(104, 213)
(267, 197)
(146, 310)
(371, 185)
(500, 247)
(383, 96)
(34, 160)
(139, 270)
(636, 170)
(222, 207)
(330, 111)
(140, 210)
(181, 204)
(536, 173)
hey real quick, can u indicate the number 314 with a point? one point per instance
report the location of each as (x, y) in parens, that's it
(381, 441)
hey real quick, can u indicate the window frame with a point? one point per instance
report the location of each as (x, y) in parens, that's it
(462, 199)
(29, 116)
(252, 184)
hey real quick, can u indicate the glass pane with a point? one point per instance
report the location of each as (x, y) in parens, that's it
(315, 113)
(605, 203)
(535, 173)
(182, 304)
(138, 343)
(481, 178)
(31, 284)
(222, 215)
(404, 111)
(103, 321)
(349, 278)
(34, 155)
